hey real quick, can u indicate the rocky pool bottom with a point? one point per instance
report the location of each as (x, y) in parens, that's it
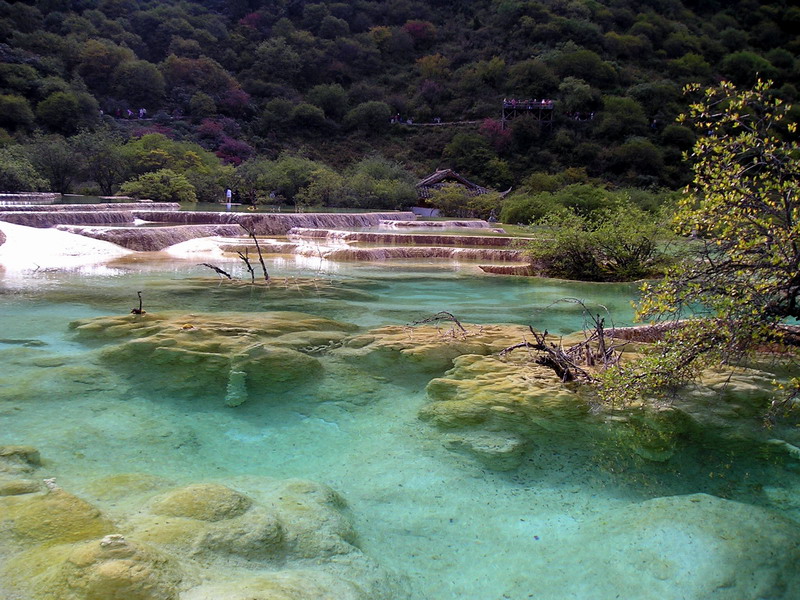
(302, 441)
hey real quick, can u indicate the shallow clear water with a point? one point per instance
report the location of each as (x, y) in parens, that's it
(455, 529)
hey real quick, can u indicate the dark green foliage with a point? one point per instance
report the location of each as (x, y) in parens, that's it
(369, 116)
(15, 113)
(161, 186)
(140, 83)
(619, 244)
(17, 174)
(331, 98)
(614, 70)
(66, 112)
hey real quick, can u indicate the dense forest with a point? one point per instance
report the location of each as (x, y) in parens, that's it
(296, 101)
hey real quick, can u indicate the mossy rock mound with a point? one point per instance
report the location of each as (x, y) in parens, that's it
(305, 584)
(427, 348)
(236, 356)
(291, 520)
(203, 502)
(690, 547)
(114, 568)
(54, 517)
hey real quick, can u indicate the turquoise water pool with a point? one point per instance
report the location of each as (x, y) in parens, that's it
(450, 527)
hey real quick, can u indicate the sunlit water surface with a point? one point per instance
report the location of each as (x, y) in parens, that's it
(453, 528)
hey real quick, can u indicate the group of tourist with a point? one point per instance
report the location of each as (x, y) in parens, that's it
(128, 113)
(527, 104)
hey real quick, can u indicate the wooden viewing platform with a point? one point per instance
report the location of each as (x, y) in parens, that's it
(539, 109)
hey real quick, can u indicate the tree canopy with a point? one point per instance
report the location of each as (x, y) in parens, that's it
(740, 280)
(325, 77)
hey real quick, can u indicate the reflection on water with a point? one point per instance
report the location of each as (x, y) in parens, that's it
(454, 528)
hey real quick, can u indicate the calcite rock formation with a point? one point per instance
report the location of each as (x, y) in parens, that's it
(693, 547)
(289, 539)
(203, 502)
(114, 568)
(17, 465)
(234, 355)
(429, 348)
(53, 517)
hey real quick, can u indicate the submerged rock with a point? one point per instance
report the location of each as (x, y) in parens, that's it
(300, 584)
(498, 451)
(278, 539)
(53, 517)
(204, 502)
(19, 459)
(114, 568)
(428, 348)
(679, 547)
(234, 356)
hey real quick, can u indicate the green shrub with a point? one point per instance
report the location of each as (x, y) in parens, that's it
(17, 174)
(527, 208)
(621, 244)
(164, 185)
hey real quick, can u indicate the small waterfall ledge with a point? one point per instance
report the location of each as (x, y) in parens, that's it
(110, 206)
(348, 237)
(273, 223)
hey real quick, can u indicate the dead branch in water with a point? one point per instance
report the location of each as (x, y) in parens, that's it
(140, 310)
(246, 260)
(252, 233)
(594, 351)
(441, 316)
(217, 269)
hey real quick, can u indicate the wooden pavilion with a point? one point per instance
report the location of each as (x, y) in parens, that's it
(442, 177)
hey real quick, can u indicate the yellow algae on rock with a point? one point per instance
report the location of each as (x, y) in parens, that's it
(124, 485)
(287, 585)
(203, 502)
(294, 519)
(232, 355)
(16, 487)
(114, 568)
(54, 517)
(19, 459)
(256, 536)
(429, 348)
(312, 517)
(501, 394)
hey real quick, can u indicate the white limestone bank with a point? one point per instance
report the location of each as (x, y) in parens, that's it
(29, 248)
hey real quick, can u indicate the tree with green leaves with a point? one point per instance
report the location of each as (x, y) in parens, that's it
(164, 185)
(55, 160)
(741, 279)
(17, 174)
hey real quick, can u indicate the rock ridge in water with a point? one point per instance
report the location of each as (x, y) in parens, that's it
(430, 239)
(499, 408)
(411, 253)
(44, 219)
(149, 239)
(106, 206)
(233, 356)
(476, 224)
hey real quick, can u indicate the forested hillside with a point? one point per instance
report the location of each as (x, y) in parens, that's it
(199, 88)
